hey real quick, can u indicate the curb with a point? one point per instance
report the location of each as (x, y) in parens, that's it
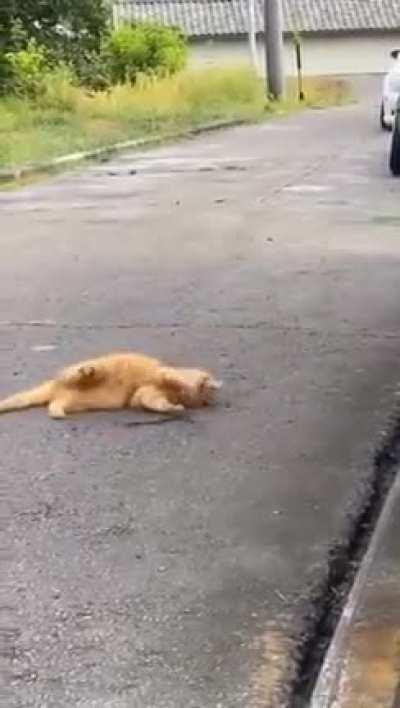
(360, 669)
(109, 150)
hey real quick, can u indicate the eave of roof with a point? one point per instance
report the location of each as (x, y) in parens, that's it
(227, 18)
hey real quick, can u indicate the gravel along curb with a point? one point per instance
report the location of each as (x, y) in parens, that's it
(10, 175)
(361, 668)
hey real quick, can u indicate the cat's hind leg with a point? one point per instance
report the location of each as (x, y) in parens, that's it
(75, 400)
(83, 375)
(152, 398)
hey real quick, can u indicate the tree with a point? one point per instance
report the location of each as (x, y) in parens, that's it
(63, 26)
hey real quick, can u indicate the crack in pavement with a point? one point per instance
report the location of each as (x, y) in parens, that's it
(310, 331)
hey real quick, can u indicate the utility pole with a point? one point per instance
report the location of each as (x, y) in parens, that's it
(273, 30)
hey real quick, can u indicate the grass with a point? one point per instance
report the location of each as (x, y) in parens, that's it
(319, 92)
(69, 119)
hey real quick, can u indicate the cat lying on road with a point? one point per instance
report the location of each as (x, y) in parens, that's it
(119, 381)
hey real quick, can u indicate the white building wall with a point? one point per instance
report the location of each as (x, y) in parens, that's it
(328, 55)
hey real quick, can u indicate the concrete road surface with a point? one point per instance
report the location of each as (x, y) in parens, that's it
(179, 565)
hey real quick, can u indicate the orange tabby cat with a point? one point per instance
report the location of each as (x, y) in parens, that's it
(119, 381)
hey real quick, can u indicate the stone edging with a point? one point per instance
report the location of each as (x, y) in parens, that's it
(10, 175)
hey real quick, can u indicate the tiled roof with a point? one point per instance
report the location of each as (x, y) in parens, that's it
(210, 18)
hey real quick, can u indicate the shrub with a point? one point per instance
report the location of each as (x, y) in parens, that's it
(33, 74)
(59, 90)
(27, 69)
(144, 48)
(5, 73)
(92, 71)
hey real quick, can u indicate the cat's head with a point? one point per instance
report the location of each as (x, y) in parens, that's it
(200, 387)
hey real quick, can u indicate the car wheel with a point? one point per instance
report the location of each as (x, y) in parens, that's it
(384, 125)
(395, 148)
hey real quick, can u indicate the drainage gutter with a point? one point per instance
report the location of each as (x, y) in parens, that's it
(362, 665)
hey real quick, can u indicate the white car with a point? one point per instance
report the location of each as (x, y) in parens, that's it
(390, 93)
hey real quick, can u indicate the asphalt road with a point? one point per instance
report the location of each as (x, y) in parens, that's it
(175, 565)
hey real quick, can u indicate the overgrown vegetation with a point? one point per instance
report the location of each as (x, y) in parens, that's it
(69, 82)
(96, 56)
(143, 49)
(67, 29)
(68, 118)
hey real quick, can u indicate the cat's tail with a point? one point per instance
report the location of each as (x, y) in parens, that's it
(38, 396)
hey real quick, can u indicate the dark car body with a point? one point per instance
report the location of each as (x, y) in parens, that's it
(394, 160)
